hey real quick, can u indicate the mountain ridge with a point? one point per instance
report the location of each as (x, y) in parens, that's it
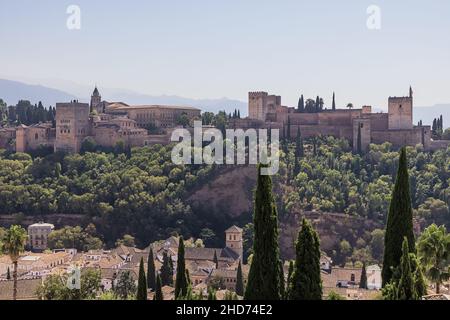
(12, 91)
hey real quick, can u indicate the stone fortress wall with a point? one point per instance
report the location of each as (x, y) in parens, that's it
(111, 122)
(395, 127)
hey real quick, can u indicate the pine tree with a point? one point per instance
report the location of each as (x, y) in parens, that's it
(263, 280)
(334, 102)
(151, 272)
(181, 283)
(363, 280)
(306, 283)
(239, 281)
(399, 222)
(158, 290)
(142, 283)
(405, 289)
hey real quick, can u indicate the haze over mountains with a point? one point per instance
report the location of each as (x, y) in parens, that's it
(52, 91)
(13, 91)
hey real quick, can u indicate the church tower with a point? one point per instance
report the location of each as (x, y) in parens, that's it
(96, 101)
(234, 240)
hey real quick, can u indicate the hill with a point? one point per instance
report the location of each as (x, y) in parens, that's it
(13, 91)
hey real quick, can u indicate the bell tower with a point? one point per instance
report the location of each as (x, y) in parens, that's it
(234, 240)
(96, 101)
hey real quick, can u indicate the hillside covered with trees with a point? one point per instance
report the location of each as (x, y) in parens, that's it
(141, 193)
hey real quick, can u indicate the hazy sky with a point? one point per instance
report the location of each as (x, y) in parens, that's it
(212, 49)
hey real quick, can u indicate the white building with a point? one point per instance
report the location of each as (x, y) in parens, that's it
(374, 280)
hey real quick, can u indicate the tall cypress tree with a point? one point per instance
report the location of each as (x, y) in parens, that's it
(359, 143)
(8, 274)
(158, 290)
(399, 222)
(406, 289)
(263, 280)
(239, 281)
(306, 283)
(142, 283)
(363, 280)
(288, 133)
(299, 149)
(317, 104)
(289, 278)
(215, 260)
(181, 284)
(334, 102)
(282, 281)
(151, 272)
(301, 104)
(166, 271)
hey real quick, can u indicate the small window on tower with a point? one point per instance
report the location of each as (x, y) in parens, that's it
(400, 106)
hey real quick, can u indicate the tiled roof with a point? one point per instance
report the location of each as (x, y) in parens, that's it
(234, 229)
(330, 280)
(208, 254)
(120, 107)
(26, 289)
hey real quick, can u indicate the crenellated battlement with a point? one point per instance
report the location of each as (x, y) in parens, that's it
(257, 94)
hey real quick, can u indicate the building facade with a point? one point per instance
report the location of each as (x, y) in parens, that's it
(38, 235)
(107, 123)
(72, 126)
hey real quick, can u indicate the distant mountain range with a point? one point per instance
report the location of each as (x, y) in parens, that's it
(13, 91)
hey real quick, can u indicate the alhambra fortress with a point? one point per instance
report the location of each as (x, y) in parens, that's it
(109, 123)
(355, 125)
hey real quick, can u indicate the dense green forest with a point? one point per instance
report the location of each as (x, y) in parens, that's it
(330, 178)
(143, 194)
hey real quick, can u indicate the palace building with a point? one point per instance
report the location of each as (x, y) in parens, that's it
(107, 123)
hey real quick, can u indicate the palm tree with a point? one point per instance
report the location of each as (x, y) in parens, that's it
(434, 253)
(14, 244)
